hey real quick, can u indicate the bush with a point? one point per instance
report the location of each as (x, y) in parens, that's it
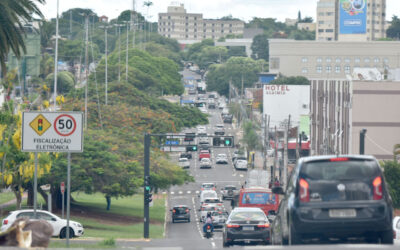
(392, 176)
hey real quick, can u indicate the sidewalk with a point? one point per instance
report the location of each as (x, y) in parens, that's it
(12, 202)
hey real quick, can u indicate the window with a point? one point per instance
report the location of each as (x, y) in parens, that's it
(321, 22)
(328, 60)
(376, 60)
(319, 69)
(347, 69)
(195, 18)
(385, 60)
(321, 13)
(329, 13)
(304, 59)
(274, 64)
(338, 60)
(367, 60)
(304, 70)
(347, 60)
(337, 69)
(357, 60)
(328, 69)
(319, 59)
(320, 30)
(329, 30)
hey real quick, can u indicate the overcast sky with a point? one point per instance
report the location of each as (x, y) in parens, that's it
(243, 9)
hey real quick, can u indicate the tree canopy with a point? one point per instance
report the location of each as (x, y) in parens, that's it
(394, 29)
(291, 80)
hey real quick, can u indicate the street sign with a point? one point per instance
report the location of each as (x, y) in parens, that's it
(62, 187)
(172, 143)
(52, 132)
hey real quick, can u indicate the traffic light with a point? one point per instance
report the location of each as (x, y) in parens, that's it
(216, 141)
(191, 148)
(228, 141)
(147, 180)
(148, 197)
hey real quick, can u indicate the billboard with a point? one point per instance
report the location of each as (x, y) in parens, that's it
(353, 16)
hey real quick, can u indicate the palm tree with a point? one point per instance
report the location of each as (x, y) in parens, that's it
(396, 151)
(13, 15)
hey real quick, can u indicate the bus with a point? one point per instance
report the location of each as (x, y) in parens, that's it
(260, 197)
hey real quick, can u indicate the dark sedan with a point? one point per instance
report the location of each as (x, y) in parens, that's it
(334, 197)
(181, 212)
(246, 224)
(186, 155)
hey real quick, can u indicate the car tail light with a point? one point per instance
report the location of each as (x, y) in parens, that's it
(340, 159)
(232, 226)
(377, 183)
(208, 227)
(213, 188)
(263, 225)
(202, 209)
(174, 211)
(187, 210)
(5, 222)
(202, 189)
(304, 191)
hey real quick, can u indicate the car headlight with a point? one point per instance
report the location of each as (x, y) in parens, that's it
(77, 224)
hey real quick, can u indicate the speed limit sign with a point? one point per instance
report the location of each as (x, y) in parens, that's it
(52, 132)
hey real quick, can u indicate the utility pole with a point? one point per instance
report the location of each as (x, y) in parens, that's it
(70, 25)
(230, 90)
(146, 224)
(55, 63)
(276, 156)
(133, 22)
(119, 50)
(106, 55)
(86, 68)
(265, 142)
(362, 141)
(285, 155)
(127, 48)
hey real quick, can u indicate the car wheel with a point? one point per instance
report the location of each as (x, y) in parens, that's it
(63, 233)
(189, 220)
(294, 238)
(387, 237)
(173, 221)
(225, 243)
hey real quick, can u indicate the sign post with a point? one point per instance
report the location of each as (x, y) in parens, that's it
(62, 189)
(60, 132)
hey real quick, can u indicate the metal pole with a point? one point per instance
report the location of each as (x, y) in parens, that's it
(62, 206)
(119, 53)
(146, 174)
(68, 195)
(35, 188)
(86, 70)
(56, 63)
(362, 141)
(127, 47)
(106, 51)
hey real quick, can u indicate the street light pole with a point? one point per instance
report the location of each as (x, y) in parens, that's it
(56, 63)
(119, 51)
(127, 48)
(106, 55)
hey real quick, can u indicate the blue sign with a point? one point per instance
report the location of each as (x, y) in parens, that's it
(353, 16)
(172, 143)
(187, 101)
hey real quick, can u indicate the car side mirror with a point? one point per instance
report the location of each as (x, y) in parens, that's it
(278, 190)
(53, 219)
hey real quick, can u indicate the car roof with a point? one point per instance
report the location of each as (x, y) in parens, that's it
(205, 183)
(183, 158)
(181, 206)
(327, 157)
(230, 186)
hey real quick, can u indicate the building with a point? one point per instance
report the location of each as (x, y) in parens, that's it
(341, 109)
(330, 60)
(180, 25)
(103, 19)
(291, 21)
(361, 20)
(307, 26)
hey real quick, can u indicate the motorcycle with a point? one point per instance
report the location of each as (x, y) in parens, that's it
(209, 232)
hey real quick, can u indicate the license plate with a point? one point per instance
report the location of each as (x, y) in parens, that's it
(342, 213)
(248, 228)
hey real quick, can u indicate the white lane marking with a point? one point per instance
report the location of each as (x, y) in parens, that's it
(213, 244)
(172, 192)
(164, 192)
(180, 192)
(189, 192)
(234, 174)
(241, 175)
(197, 191)
(197, 221)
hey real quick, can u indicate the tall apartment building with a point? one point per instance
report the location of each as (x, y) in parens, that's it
(178, 24)
(351, 20)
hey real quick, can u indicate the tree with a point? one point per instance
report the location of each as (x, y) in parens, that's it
(292, 80)
(260, 47)
(65, 82)
(394, 29)
(250, 137)
(77, 15)
(392, 175)
(13, 16)
(307, 19)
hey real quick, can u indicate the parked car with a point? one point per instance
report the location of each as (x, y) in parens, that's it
(221, 159)
(186, 155)
(180, 212)
(229, 192)
(246, 224)
(205, 163)
(396, 227)
(184, 163)
(334, 196)
(59, 225)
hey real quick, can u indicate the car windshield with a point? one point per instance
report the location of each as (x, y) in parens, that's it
(259, 198)
(209, 195)
(230, 188)
(242, 215)
(209, 185)
(219, 213)
(208, 208)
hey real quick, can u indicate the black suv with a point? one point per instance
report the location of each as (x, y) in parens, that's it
(186, 155)
(180, 212)
(334, 197)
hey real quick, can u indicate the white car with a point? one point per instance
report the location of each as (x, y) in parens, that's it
(221, 159)
(241, 164)
(204, 140)
(201, 129)
(219, 129)
(59, 225)
(205, 163)
(184, 163)
(396, 227)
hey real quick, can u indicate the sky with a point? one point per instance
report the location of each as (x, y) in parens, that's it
(243, 9)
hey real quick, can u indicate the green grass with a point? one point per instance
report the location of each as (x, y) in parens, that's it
(129, 206)
(6, 197)
(72, 244)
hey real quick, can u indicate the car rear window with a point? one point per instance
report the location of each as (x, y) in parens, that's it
(259, 198)
(210, 195)
(208, 185)
(239, 216)
(340, 170)
(230, 188)
(180, 210)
